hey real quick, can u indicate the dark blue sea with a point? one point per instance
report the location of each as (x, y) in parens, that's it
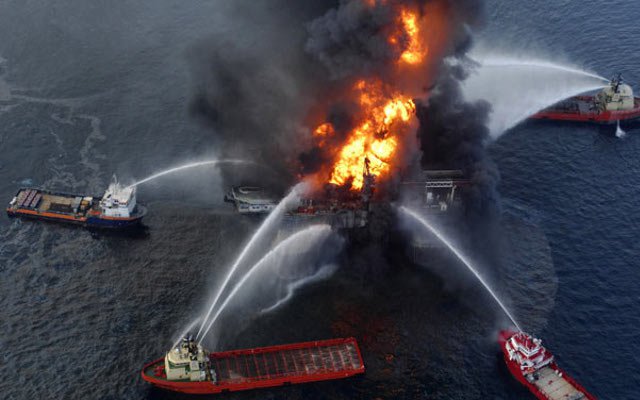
(89, 89)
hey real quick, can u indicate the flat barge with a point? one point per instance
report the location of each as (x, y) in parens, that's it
(615, 103)
(534, 367)
(188, 368)
(117, 208)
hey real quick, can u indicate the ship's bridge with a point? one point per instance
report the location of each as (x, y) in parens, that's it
(187, 361)
(118, 201)
(616, 97)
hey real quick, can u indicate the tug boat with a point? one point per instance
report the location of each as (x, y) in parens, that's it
(188, 368)
(533, 366)
(612, 104)
(117, 208)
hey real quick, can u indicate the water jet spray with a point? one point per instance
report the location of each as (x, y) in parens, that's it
(273, 217)
(467, 263)
(309, 236)
(188, 166)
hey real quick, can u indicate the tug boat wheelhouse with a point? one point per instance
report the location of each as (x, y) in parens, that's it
(533, 366)
(188, 368)
(117, 208)
(612, 104)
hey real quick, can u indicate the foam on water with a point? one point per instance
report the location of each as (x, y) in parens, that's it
(620, 133)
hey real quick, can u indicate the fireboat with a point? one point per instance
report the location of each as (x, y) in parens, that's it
(188, 368)
(117, 208)
(615, 103)
(533, 366)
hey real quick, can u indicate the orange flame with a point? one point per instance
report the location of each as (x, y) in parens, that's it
(415, 51)
(374, 138)
(385, 112)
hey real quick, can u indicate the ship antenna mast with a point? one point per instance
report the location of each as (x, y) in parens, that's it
(616, 81)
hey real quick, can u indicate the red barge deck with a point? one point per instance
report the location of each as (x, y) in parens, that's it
(262, 367)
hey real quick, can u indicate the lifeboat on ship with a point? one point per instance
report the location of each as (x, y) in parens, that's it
(615, 103)
(534, 367)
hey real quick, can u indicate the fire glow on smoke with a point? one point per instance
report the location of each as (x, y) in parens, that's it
(384, 112)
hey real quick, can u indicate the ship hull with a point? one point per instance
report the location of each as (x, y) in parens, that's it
(268, 367)
(582, 113)
(117, 223)
(87, 218)
(208, 387)
(514, 368)
(91, 222)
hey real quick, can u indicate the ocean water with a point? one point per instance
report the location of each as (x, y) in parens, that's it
(88, 89)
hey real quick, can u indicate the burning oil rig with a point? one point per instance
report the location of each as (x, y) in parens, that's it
(440, 195)
(336, 206)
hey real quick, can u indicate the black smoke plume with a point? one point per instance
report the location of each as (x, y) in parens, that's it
(351, 39)
(253, 83)
(256, 81)
(453, 134)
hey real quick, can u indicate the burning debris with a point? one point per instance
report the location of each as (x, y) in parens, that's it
(378, 53)
(385, 118)
(378, 72)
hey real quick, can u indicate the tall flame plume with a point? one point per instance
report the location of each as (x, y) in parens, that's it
(385, 111)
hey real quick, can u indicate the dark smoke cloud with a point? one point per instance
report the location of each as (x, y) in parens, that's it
(351, 39)
(257, 78)
(453, 134)
(253, 83)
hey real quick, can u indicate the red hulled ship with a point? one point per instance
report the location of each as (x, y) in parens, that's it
(612, 104)
(533, 366)
(188, 368)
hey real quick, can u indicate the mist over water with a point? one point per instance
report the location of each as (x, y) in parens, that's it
(518, 87)
(297, 261)
(248, 253)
